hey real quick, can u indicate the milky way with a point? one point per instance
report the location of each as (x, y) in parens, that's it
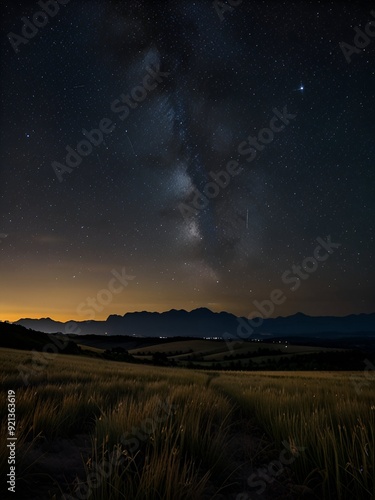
(122, 206)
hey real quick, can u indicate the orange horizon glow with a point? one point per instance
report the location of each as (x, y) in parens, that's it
(62, 294)
(64, 318)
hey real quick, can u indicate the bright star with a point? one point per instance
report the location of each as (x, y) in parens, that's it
(301, 88)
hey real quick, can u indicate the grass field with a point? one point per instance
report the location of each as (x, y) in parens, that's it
(219, 349)
(210, 352)
(104, 430)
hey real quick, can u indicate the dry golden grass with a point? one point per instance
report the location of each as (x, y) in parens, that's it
(164, 433)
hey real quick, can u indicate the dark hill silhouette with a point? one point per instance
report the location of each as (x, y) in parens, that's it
(18, 337)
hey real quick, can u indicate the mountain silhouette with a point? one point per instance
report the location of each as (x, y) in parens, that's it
(202, 322)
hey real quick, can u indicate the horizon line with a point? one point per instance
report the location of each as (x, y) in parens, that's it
(183, 310)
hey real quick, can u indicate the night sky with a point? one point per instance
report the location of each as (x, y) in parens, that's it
(179, 88)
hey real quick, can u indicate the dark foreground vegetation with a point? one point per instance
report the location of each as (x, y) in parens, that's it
(93, 428)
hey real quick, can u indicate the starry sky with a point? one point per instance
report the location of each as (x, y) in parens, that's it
(220, 74)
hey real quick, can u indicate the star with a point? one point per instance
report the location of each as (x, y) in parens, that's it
(301, 88)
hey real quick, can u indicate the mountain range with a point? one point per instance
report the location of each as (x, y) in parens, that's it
(203, 322)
